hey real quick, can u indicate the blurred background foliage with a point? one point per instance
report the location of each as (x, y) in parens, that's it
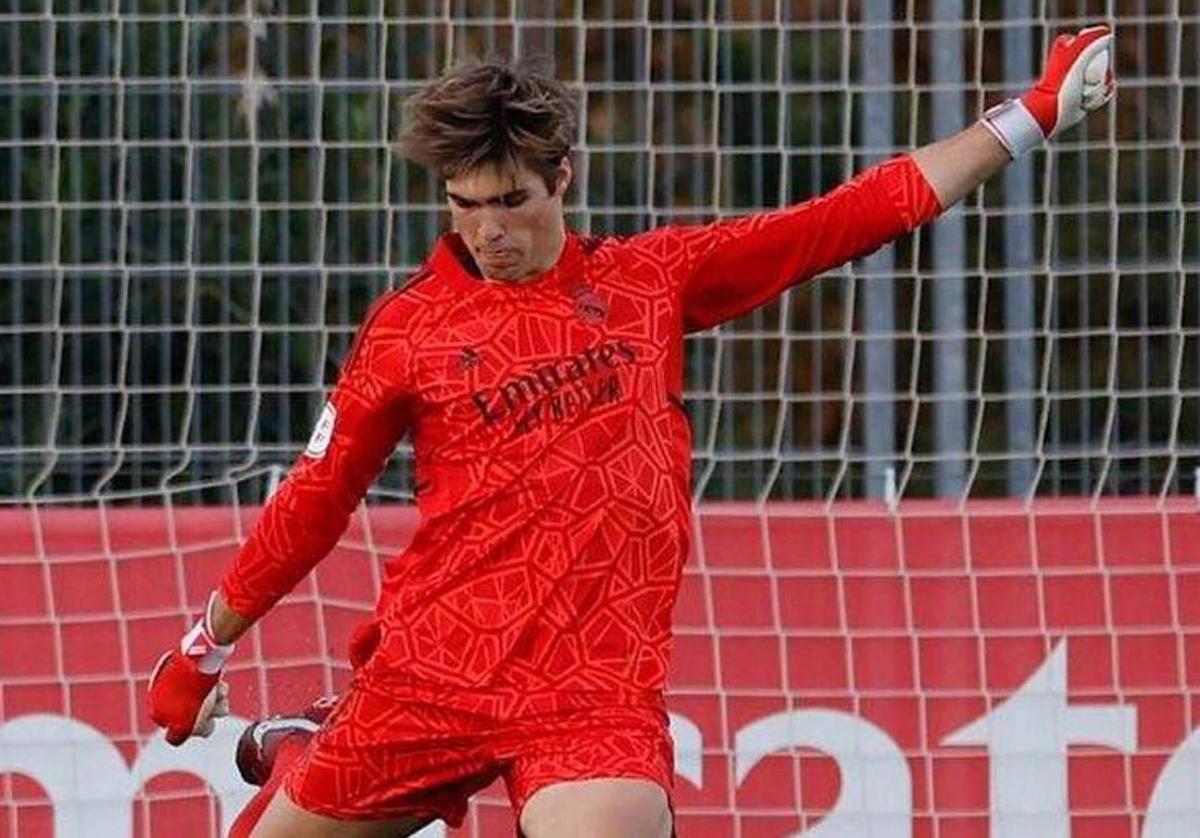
(198, 201)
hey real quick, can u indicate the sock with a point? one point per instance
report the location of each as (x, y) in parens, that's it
(288, 751)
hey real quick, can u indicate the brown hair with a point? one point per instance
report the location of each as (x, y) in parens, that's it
(490, 112)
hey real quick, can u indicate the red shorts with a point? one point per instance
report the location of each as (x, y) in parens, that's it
(378, 756)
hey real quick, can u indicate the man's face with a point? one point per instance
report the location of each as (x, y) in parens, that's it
(510, 222)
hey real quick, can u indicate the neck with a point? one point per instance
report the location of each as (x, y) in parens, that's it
(555, 242)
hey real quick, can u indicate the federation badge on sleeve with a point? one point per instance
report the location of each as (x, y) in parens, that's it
(318, 443)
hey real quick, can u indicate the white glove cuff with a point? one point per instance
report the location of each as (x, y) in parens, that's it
(1014, 126)
(200, 645)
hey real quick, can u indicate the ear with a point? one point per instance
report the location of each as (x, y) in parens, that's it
(564, 176)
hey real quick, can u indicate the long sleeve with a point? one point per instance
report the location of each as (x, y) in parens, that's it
(366, 415)
(737, 265)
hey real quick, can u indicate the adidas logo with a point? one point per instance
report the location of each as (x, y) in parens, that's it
(469, 358)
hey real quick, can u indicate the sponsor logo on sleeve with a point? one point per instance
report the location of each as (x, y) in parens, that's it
(322, 434)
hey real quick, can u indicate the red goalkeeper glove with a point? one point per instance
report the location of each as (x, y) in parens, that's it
(186, 692)
(1078, 79)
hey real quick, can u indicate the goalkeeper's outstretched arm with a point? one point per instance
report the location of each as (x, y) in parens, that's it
(740, 264)
(1078, 79)
(957, 165)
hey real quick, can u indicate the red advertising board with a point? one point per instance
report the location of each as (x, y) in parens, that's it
(988, 669)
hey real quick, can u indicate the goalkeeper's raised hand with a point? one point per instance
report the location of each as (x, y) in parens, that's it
(186, 692)
(1078, 79)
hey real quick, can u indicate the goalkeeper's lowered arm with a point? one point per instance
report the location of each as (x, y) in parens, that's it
(366, 415)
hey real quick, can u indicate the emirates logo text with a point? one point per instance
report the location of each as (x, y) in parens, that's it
(559, 390)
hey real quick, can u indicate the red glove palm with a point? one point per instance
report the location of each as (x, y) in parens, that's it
(186, 693)
(1078, 79)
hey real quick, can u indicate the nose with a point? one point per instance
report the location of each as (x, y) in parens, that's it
(491, 225)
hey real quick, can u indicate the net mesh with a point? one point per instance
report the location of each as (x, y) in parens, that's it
(199, 202)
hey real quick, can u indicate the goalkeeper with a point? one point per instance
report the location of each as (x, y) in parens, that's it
(525, 633)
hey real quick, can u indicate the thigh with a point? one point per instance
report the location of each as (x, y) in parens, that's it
(284, 819)
(618, 807)
(379, 757)
(602, 767)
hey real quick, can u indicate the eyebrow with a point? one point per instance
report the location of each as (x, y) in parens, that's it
(495, 199)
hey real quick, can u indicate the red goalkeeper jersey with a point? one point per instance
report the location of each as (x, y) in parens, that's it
(552, 450)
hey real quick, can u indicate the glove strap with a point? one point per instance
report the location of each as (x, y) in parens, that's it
(1014, 126)
(201, 646)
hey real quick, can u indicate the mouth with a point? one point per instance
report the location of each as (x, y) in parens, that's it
(497, 252)
(498, 257)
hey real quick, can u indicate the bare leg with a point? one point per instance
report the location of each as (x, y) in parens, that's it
(287, 752)
(284, 819)
(600, 808)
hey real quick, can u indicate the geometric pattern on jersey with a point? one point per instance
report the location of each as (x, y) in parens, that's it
(378, 758)
(552, 450)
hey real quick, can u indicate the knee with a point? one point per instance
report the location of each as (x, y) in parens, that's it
(574, 827)
(602, 809)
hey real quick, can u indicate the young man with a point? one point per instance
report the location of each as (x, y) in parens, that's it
(525, 632)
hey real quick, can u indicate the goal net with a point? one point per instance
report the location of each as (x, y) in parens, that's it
(938, 490)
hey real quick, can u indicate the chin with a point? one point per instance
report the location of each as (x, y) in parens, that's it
(509, 272)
